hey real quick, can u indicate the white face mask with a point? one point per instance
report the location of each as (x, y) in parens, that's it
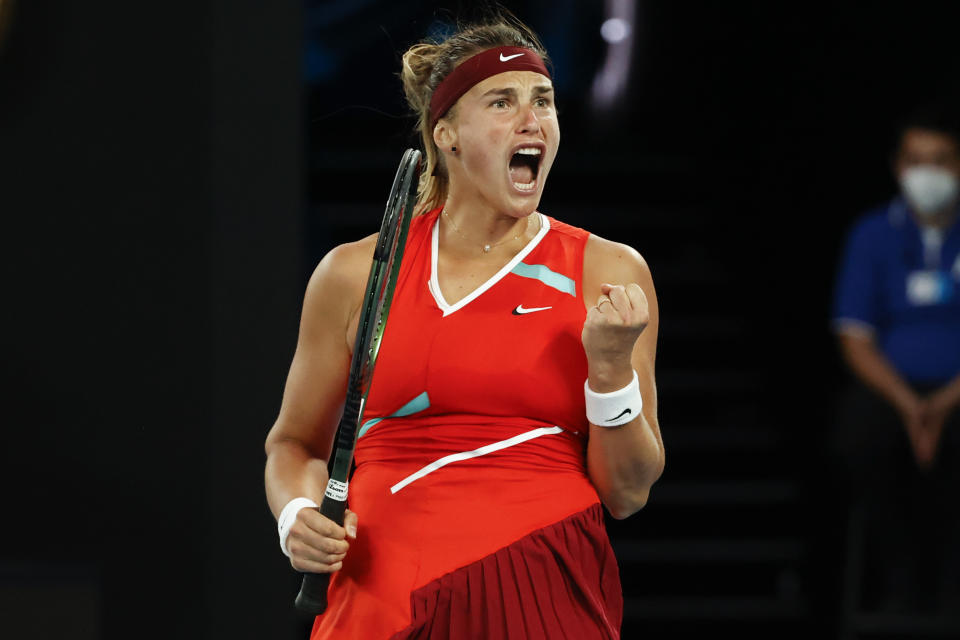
(928, 188)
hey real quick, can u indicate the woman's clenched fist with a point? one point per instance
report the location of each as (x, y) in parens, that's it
(610, 332)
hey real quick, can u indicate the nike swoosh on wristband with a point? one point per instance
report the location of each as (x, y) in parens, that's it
(504, 59)
(622, 413)
(519, 311)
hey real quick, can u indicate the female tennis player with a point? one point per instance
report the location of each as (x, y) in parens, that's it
(513, 394)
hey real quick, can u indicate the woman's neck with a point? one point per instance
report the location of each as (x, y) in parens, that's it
(478, 230)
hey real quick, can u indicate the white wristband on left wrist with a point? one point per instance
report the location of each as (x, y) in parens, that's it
(615, 407)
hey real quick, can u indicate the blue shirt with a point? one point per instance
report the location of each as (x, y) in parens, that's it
(901, 282)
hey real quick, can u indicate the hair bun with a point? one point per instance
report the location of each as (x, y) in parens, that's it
(418, 63)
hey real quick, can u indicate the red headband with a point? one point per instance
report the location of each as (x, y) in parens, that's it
(478, 68)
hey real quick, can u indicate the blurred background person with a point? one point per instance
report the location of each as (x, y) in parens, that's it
(897, 319)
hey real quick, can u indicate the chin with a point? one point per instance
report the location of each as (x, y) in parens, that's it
(520, 205)
(523, 209)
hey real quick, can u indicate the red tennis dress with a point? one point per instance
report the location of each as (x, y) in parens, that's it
(477, 519)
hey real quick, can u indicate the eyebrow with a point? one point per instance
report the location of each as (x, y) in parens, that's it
(512, 93)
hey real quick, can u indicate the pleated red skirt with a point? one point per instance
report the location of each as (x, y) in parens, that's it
(559, 582)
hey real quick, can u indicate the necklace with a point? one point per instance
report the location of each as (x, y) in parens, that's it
(486, 247)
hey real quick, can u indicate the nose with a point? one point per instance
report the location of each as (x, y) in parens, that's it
(528, 121)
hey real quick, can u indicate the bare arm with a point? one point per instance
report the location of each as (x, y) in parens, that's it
(871, 367)
(937, 408)
(868, 363)
(299, 442)
(625, 461)
(949, 394)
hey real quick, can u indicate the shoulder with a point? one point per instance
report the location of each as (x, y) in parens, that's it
(600, 252)
(614, 261)
(566, 232)
(874, 232)
(879, 221)
(345, 263)
(340, 278)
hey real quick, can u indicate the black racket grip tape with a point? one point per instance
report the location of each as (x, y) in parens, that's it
(347, 433)
(312, 599)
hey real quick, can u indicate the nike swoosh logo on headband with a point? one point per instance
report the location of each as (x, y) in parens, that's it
(505, 58)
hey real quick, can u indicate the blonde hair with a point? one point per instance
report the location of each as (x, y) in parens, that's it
(426, 64)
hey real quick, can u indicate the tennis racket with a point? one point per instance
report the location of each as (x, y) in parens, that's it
(381, 282)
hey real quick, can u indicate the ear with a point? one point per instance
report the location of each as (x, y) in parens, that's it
(444, 135)
(896, 156)
(896, 166)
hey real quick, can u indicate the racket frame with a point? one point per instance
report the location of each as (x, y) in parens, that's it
(378, 296)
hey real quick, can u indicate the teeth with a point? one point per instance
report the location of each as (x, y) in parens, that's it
(529, 151)
(525, 187)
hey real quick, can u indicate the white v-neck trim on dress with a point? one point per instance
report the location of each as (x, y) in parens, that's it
(434, 282)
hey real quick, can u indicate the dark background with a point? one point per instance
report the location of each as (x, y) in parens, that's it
(171, 172)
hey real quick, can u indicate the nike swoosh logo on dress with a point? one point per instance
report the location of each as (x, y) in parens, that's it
(519, 311)
(505, 58)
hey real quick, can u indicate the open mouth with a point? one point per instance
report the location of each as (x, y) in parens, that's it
(524, 168)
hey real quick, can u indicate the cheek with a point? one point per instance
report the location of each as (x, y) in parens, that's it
(552, 130)
(480, 154)
(554, 126)
(552, 148)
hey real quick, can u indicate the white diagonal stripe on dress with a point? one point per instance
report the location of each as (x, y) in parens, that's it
(466, 455)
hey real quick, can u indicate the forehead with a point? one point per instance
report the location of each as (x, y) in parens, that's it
(523, 82)
(918, 140)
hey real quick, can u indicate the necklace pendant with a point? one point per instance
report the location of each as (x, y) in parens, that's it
(486, 248)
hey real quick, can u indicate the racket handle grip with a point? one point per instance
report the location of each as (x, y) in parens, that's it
(312, 599)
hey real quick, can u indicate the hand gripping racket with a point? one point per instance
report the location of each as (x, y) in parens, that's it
(381, 282)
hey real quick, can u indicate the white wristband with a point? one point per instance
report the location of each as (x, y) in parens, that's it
(288, 515)
(616, 407)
